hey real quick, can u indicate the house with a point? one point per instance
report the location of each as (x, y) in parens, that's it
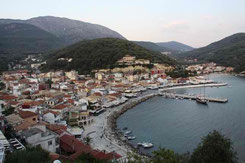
(14, 119)
(128, 60)
(29, 116)
(62, 108)
(47, 139)
(142, 61)
(53, 117)
(69, 144)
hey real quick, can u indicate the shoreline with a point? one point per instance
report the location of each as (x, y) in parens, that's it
(104, 132)
(112, 120)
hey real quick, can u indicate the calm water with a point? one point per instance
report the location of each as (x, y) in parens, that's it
(180, 124)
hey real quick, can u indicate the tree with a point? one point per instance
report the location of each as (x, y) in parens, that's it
(88, 140)
(8, 111)
(87, 158)
(29, 155)
(2, 85)
(168, 156)
(160, 156)
(214, 148)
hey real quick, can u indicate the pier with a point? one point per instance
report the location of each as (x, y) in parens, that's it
(193, 97)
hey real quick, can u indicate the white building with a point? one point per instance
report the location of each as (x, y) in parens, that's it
(47, 140)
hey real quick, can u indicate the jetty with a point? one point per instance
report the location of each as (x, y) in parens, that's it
(194, 86)
(192, 97)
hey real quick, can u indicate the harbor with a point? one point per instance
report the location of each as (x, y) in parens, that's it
(193, 97)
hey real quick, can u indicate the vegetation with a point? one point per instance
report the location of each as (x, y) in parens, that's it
(19, 39)
(179, 72)
(214, 148)
(152, 46)
(2, 85)
(100, 53)
(229, 51)
(8, 111)
(175, 46)
(87, 158)
(29, 155)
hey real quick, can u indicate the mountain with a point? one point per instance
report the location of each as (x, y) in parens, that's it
(175, 46)
(73, 31)
(26, 38)
(99, 53)
(42, 34)
(229, 51)
(17, 39)
(152, 46)
(68, 30)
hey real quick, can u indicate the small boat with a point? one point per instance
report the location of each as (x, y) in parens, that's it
(201, 101)
(128, 132)
(147, 145)
(131, 137)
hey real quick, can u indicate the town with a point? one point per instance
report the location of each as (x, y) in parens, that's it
(66, 113)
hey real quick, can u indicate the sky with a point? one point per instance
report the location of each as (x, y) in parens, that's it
(194, 22)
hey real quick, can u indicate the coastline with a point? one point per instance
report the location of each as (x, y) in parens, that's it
(104, 131)
(112, 121)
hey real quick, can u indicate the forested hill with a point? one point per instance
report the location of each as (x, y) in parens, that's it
(175, 46)
(22, 38)
(152, 46)
(229, 51)
(17, 39)
(100, 53)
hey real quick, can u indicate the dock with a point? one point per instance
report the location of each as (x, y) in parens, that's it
(192, 97)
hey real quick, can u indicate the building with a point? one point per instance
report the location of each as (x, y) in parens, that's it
(46, 139)
(127, 60)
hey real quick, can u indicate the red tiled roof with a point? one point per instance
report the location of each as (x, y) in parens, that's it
(55, 127)
(70, 144)
(60, 107)
(7, 97)
(13, 102)
(26, 114)
(97, 94)
(70, 101)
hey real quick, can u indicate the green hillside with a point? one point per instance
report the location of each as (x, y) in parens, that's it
(100, 53)
(229, 51)
(25, 38)
(152, 46)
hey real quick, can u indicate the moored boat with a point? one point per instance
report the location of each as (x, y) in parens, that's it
(201, 101)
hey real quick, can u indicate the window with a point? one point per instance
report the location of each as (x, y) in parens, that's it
(50, 142)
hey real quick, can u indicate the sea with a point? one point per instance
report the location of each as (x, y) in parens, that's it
(180, 125)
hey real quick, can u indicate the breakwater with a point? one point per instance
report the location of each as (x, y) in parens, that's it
(112, 121)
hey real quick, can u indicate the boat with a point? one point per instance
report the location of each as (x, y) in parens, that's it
(145, 145)
(131, 137)
(128, 132)
(201, 101)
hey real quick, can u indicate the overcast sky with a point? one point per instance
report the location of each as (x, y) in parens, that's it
(193, 22)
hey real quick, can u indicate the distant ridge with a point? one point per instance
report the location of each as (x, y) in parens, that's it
(68, 30)
(229, 51)
(152, 46)
(175, 46)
